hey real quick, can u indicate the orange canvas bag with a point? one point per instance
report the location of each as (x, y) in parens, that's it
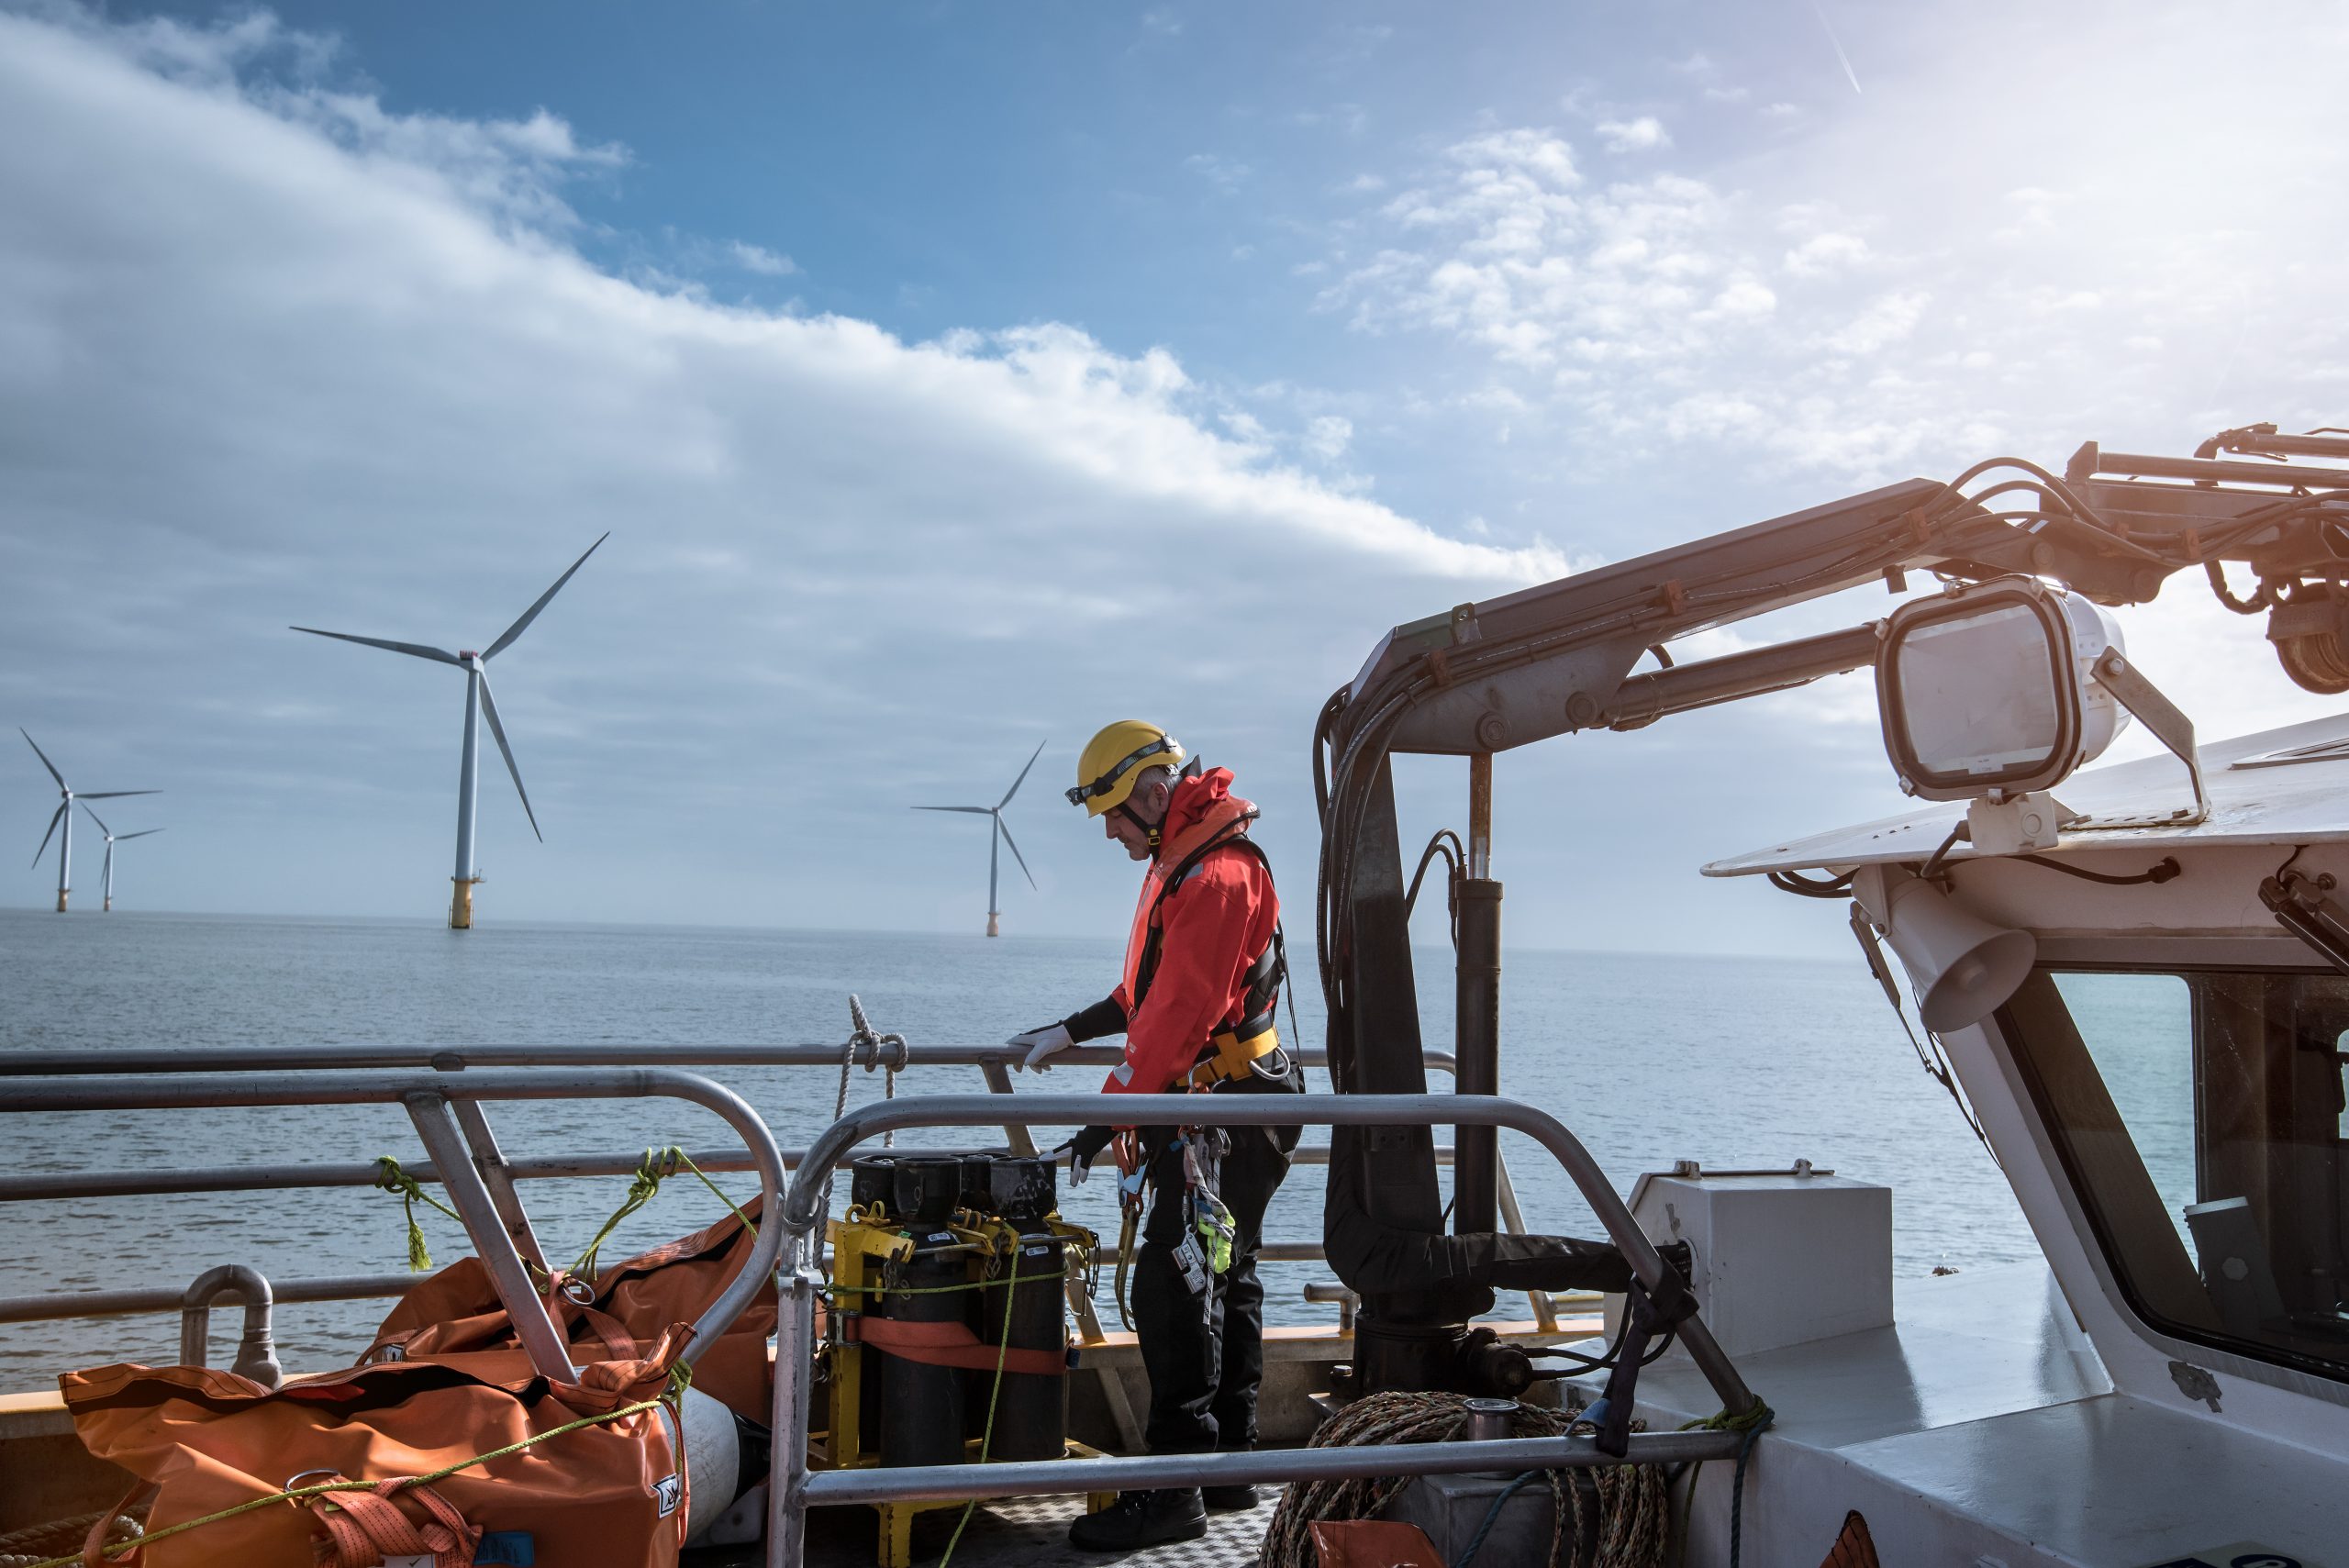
(611, 1493)
(457, 1311)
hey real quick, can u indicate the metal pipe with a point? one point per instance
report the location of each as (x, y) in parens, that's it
(1476, 1007)
(2145, 466)
(58, 1305)
(457, 1059)
(498, 1177)
(545, 1167)
(1259, 1468)
(256, 1355)
(2282, 445)
(1642, 699)
(541, 1337)
(638, 1083)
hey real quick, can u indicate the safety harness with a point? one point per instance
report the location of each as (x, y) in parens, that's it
(1240, 1042)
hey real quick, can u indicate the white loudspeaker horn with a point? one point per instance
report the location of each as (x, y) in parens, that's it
(1962, 967)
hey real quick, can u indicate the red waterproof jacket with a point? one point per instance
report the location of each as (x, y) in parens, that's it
(1209, 931)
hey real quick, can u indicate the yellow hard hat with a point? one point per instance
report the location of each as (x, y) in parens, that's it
(1114, 759)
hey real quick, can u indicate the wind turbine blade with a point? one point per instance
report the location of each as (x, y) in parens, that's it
(60, 815)
(1015, 851)
(489, 712)
(418, 648)
(115, 794)
(974, 810)
(44, 758)
(1022, 779)
(143, 833)
(94, 816)
(531, 614)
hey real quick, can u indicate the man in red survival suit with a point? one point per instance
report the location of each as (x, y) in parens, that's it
(1203, 968)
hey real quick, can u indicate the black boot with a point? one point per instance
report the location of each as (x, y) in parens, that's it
(1138, 1519)
(1228, 1499)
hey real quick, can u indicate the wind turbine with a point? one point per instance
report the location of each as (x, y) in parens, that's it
(112, 838)
(65, 815)
(994, 857)
(479, 705)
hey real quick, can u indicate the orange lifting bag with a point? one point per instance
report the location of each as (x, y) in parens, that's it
(633, 1304)
(612, 1492)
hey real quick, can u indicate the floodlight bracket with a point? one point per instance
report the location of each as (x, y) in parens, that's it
(2169, 725)
(2017, 824)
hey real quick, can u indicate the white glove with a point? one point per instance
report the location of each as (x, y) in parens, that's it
(1041, 1043)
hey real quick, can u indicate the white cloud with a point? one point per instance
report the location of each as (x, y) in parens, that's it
(1754, 302)
(1645, 134)
(1826, 253)
(270, 353)
(759, 259)
(1328, 436)
(1225, 174)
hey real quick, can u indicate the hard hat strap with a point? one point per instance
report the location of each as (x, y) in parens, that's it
(1108, 781)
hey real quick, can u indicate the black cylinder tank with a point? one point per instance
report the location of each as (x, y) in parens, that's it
(922, 1406)
(872, 1179)
(1030, 1409)
(869, 1180)
(978, 1184)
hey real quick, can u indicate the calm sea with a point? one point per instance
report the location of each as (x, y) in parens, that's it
(1737, 1062)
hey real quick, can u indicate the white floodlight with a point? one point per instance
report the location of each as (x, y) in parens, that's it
(1992, 690)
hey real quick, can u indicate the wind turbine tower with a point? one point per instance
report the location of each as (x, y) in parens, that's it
(65, 815)
(479, 705)
(995, 856)
(112, 838)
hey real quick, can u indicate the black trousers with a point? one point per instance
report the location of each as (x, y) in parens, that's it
(1203, 1350)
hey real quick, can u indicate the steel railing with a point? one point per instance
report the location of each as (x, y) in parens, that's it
(447, 1113)
(866, 1050)
(793, 1487)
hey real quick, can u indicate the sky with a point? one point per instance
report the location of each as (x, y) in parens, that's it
(955, 378)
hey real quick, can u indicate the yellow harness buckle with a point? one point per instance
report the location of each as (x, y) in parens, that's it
(1232, 1057)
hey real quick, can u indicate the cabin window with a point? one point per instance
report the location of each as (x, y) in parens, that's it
(2203, 1118)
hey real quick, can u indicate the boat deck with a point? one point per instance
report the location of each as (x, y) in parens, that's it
(1030, 1532)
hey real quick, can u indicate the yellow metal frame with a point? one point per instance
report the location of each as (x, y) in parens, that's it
(863, 1245)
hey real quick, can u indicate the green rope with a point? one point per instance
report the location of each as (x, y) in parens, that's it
(657, 1166)
(391, 1179)
(1753, 1423)
(679, 1378)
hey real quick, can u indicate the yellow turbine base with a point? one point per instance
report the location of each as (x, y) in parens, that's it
(60, 904)
(107, 908)
(460, 907)
(991, 929)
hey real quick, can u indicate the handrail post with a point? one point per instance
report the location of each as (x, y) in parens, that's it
(795, 1361)
(499, 1178)
(463, 1182)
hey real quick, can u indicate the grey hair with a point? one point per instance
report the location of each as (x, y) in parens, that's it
(1149, 776)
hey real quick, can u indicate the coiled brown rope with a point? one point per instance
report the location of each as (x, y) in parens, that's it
(35, 1543)
(1630, 1527)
